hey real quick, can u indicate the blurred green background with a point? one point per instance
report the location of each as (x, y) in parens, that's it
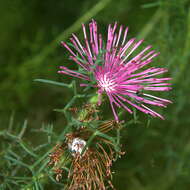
(158, 152)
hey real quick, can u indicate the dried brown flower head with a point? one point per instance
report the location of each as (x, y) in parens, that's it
(92, 170)
(88, 152)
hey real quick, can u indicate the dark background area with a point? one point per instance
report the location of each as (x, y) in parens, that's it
(158, 151)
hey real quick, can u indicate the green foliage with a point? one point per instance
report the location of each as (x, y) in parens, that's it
(30, 32)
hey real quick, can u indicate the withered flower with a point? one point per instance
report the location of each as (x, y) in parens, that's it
(88, 154)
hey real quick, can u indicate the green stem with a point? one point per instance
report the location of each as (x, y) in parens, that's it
(89, 141)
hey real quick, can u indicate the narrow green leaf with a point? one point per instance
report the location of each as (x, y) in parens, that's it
(27, 149)
(17, 161)
(11, 122)
(23, 129)
(43, 165)
(53, 82)
(150, 5)
(36, 185)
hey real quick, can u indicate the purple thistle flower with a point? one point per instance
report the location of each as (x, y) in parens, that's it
(112, 70)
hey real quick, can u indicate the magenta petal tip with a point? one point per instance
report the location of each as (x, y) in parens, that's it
(117, 70)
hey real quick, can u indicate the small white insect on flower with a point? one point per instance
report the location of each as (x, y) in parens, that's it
(76, 146)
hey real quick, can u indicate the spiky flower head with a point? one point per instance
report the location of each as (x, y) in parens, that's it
(112, 69)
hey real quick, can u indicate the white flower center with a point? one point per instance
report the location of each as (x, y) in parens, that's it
(106, 83)
(76, 146)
